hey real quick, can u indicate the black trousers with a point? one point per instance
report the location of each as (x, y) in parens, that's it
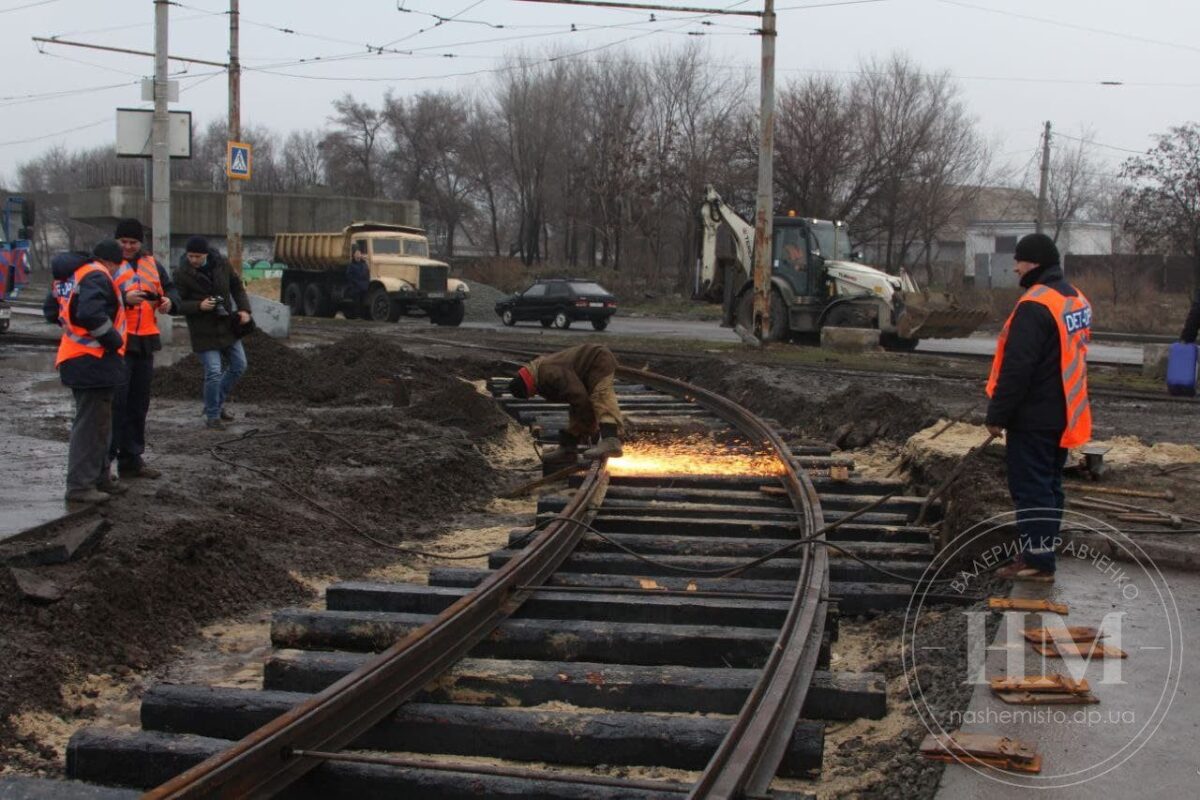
(130, 406)
(87, 464)
(1035, 464)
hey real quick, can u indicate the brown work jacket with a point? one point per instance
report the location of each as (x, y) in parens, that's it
(569, 376)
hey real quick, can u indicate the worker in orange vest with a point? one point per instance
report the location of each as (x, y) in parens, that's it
(91, 361)
(147, 290)
(1039, 399)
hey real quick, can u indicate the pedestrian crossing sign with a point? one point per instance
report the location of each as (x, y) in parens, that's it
(237, 161)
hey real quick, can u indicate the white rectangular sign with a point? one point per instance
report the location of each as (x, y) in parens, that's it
(133, 133)
(148, 90)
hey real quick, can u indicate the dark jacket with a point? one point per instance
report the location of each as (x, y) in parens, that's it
(358, 275)
(145, 345)
(1029, 393)
(93, 307)
(1192, 325)
(568, 377)
(208, 330)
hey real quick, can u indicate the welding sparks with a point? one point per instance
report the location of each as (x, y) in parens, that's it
(693, 456)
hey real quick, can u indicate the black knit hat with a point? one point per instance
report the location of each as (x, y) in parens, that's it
(516, 387)
(1037, 248)
(130, 229)
(196, 244)
(108, 250)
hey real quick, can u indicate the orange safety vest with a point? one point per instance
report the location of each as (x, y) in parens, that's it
(1073, 318)
(62, 293)
(76, 341)
(142, 275)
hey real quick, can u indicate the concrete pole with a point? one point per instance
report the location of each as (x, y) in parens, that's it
(233, 197)
(766, 148)
(1045, 180)
(160, 150)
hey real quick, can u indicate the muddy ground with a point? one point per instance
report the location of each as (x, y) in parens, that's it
(214, 540)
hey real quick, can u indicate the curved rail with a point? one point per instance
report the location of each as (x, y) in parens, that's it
(749, 756)
(264, 762)
(268, 760)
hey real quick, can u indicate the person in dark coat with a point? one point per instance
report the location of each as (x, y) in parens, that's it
(1029, 403)
(90, 361)
(358, 279)
(582, 377)
(1191, 326)
(208, 292)
(148, 290)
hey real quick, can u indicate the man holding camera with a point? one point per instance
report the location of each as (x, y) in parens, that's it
(208, 290)
(147, 290)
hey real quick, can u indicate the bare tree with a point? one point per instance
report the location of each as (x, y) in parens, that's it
(352, 150)
(1072, 182)
(304, 160)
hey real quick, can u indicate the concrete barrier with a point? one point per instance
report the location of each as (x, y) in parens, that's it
(850, 340)
(1154, 361)
(273, 319)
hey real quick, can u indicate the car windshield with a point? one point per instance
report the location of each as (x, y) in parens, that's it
(833, 240)
(394, 247)
(587, 288)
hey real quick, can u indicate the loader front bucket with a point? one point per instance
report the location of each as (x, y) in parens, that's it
(929, 315)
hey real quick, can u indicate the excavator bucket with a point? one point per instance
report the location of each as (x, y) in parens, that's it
(934, 315)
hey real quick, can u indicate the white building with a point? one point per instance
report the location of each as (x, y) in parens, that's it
(990, 245)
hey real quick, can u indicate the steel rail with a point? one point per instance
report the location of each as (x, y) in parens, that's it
(263, 763)
(749, 756)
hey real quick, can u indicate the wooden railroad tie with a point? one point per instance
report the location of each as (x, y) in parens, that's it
(1051, 689)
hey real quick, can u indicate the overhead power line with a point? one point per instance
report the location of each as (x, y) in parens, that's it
(27, 5)
(1100, 144)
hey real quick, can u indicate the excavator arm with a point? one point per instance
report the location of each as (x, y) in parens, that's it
(711, 279)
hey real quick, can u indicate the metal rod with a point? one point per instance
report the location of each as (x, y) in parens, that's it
(1167, 495)
(705, 593)
(650, 7)
(127, 51)
(485, 769)
(233, 192)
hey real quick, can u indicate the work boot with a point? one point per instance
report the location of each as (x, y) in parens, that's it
(609, 445)
(214, 424)
(565, 455)
(138, 469)
(87, 496)
(110, 486)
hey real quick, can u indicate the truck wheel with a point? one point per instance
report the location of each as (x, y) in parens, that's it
(450, 315)
(779, 319)
(507, 318)
(293, 298)
(316, 301)
(562, 321)
(891, 341)
(842, 317)
(381, 307)
(600, 324)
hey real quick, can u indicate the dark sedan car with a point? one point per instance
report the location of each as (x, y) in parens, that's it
(559, 302)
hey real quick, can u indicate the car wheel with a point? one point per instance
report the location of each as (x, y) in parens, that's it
(316, 301)
(562, 321)
(600, 324)
(293, 298)
(450, 315)
(546, 323)
(507, 317)
(381, 307)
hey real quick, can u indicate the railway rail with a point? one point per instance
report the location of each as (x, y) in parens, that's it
(623, 628)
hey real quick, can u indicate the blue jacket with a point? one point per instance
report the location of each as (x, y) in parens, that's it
(93, 306)
(358, 275)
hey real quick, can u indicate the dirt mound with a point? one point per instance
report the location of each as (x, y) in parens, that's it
(854, 418)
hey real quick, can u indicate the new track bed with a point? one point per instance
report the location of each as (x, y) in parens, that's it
(649, 636)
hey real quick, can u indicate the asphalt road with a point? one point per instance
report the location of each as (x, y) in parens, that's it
(653, 327)
(659, 328)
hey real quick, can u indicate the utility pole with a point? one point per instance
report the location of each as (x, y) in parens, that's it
(1041, 206)
(233, 196)
(766, 204)
(160, 150)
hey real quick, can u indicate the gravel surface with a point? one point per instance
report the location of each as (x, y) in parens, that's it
(481, 304)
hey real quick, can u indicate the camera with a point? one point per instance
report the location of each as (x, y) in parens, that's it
(151, 296)
(220, 308)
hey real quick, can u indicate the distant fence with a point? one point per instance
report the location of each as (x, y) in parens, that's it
(1170, 274)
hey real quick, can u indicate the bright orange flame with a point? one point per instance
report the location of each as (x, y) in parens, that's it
(693, 456)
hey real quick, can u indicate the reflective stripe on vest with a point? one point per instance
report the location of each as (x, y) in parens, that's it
(142, 275)
(1073, 318)
(76, 341)
(62, 293)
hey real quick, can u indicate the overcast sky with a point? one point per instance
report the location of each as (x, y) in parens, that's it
(1019, 62)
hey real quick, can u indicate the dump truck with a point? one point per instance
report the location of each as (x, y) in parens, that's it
(405, 281)
(817, 280)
